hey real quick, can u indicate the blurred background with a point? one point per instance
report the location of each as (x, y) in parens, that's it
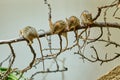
(16, 14)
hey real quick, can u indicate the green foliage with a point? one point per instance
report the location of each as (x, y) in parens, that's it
(14, 75)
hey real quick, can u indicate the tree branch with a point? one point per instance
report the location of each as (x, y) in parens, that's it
(96, 24)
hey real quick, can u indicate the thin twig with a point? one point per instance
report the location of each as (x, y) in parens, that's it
(5, 60)
(49, 8)
(100, 10)
(97, 37)
(97, 57)
(48, 71)
(31, 63)
(9, 68)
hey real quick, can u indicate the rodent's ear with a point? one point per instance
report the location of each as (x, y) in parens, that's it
(67, 22)
(20, 33)
(91, 15)
(84, 15)
(66, 19)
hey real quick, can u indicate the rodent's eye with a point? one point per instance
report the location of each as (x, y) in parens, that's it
(71, 21)
(57, 26)
(89, 18)
(20, 32)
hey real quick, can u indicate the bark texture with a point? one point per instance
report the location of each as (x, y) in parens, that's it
(112, 75)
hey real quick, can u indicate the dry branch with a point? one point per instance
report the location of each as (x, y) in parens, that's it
(94, 58)
(96, 24)
(11, 63)
(114, 74)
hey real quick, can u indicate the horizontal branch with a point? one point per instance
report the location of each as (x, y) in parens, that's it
(48, 71)
(96, 24)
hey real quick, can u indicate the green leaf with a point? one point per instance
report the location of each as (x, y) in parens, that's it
(12, 75)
